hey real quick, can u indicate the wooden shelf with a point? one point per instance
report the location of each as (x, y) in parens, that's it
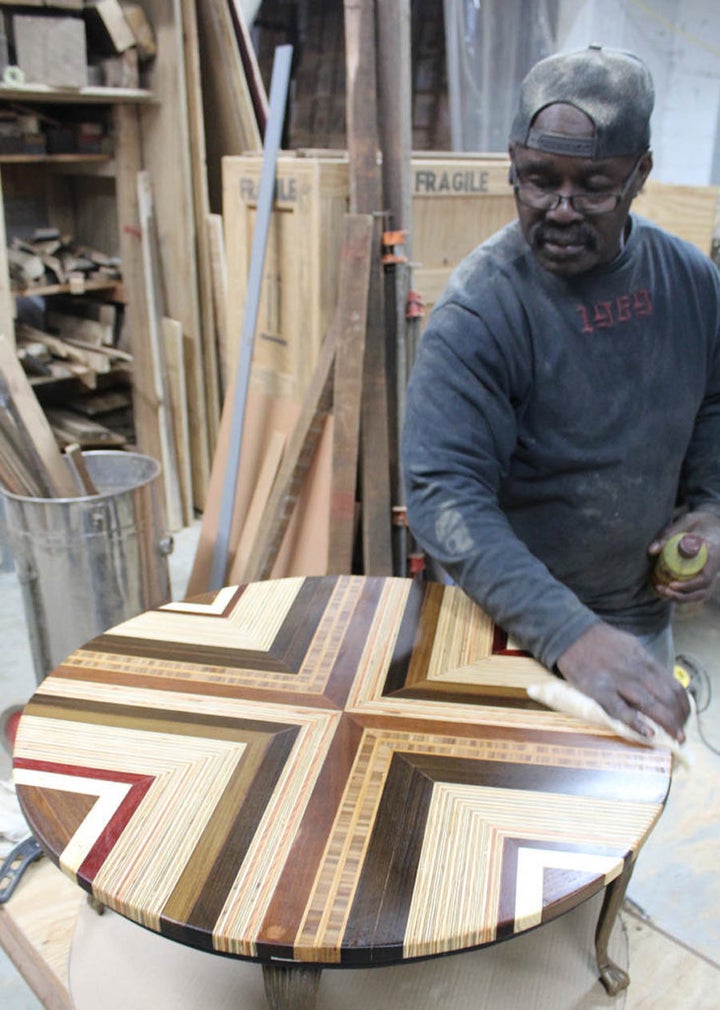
(61, 289)
(79, 96)
(56, 159)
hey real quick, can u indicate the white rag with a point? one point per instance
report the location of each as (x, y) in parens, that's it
(563, 697)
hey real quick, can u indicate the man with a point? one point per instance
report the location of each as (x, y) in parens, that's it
(566, 396)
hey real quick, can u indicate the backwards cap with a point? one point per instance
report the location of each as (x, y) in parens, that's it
(613, 88)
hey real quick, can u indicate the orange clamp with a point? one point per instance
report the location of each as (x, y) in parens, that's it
(415, 305)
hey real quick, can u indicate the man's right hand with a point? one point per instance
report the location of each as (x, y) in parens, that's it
(612, 667)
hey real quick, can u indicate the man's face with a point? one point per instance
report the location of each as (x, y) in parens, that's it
(564, 240)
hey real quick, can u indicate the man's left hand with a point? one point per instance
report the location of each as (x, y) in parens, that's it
(696, 589)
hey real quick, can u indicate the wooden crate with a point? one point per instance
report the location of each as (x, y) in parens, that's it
(301, 264)
(458, 201)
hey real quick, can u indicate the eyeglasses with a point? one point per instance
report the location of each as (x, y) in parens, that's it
(545, 198)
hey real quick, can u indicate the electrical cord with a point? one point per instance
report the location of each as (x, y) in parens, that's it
(699, 686)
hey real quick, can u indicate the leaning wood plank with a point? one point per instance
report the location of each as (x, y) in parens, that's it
(36, 930)
(278, 97)
(216, 243)
(145, 400)
(347, 400)
(7, 299)
(15, 473)
(296, 462)
(395, 129)
(226, 97)
(258, 505)
(166, 154)
(250, 65)
(174, 348)
(82, 474)
(57, 347)
(366, 197)
(352, 299)
(201, 206)
(90, 331)
(59, 477)
(153, 293)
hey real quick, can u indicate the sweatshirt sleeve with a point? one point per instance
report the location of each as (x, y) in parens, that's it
(700, 481)
(459, 434)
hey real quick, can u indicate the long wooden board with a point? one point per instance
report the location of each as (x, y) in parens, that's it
(348, 388)
(226, 96)
(36, 930)
(366, 196)
(173, 342)
(201, 207)
(166, 154)
(156, 313)
(59, 476)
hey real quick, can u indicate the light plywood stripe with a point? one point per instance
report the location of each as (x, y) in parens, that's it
(463, 634)
(215, 606)
(494, 671)
(532, 864)
(466, 828)
(517, 811)
(459, 890)
(146, 863)
(255, 883)
(109, 795)
(189, 774)
(253, 623)
(381, 638)
(331, 630)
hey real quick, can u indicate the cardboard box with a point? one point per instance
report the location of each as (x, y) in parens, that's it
(108, 31)
(51, 50)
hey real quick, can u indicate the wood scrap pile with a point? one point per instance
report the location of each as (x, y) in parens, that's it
(30, 461)
(50, 259)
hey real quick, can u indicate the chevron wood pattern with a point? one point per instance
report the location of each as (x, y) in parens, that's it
(334, 770)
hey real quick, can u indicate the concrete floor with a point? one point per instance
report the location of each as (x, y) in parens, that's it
(675, 890)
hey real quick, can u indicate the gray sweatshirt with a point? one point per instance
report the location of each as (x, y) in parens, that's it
(553, 424)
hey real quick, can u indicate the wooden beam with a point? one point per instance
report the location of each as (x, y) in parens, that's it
(348, 387)
(366, 198)
(218, 265)
(395, 127)
(55, 472)
(201, 206)
(226, 96)
(145, 401)
(166, 155)
(250, 65)
(174, 346)
(155, 315)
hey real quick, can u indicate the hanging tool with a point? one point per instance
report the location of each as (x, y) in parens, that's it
(15, 864)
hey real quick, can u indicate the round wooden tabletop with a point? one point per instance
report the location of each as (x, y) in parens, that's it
(332, 770)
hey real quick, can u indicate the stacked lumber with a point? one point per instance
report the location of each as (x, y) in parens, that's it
(50, 261)
(30, 460)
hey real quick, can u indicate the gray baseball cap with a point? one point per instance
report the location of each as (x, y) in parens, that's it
(612, 87)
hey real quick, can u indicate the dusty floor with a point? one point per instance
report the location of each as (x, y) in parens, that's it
(673, 921)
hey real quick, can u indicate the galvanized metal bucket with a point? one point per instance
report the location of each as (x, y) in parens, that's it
(86, 564)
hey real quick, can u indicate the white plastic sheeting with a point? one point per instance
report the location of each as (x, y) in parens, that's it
(491, 45)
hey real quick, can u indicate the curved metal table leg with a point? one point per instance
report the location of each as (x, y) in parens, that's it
(612, 976)
(291, 987)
